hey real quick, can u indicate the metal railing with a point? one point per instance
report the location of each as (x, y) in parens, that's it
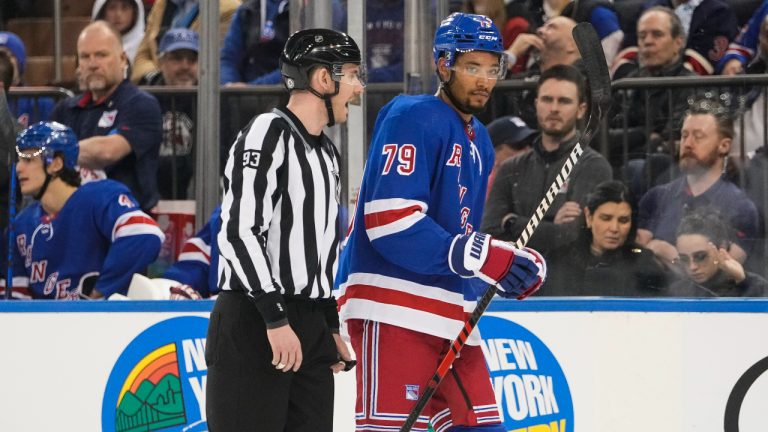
(240, 104)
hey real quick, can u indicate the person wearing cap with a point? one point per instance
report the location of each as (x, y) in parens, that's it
(27, 110)
(177, 59)
(178, 67)
(273, 341)
(119, 126)
(510, 137)
(168, 14)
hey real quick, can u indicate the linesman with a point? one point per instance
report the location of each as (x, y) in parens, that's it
(273, 339)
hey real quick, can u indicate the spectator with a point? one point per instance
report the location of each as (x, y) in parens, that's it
(521, 181)
(496, 10)
(178, 67)
(707, 133)
(384, 37)
(127, 17)
(710, 25)
(27, 110)
(119, 126)
(510, 137)
(254, 42)
(741, 51)
(198, 256)
(74, 241)
(605, 260)
(702, 244)
(753, 113)
(755, 182)
(552, 44)
(167, 14)
(661, 40)
(522, 17)
(601, 14)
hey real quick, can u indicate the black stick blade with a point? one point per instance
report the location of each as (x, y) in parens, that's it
(598, 77)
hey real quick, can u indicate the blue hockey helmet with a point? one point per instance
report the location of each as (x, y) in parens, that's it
(463, 32)
(48, 139)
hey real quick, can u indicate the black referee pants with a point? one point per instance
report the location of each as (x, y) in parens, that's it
(245, 392)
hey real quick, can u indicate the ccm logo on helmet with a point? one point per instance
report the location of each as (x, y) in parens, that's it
(487, 37)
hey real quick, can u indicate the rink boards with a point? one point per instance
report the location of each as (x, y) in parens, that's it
(556, 365)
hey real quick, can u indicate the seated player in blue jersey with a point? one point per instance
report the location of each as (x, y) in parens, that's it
(195, 269)
(74, 241)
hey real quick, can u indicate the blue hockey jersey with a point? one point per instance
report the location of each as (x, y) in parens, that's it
(425, 182)
(100, 238)
(198, 256)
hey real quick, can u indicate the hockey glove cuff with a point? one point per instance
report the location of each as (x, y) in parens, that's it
(516, 272)
(184, 292)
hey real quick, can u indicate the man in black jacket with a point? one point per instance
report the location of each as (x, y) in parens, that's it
(522, 181)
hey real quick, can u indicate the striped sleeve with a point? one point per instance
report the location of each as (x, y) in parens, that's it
(135, 242)
(136, 223)
(195, 249)
(251, 192)
(193, 266)
(745, 46)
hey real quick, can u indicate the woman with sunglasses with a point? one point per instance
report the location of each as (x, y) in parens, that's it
(604, 260)
(702, 243)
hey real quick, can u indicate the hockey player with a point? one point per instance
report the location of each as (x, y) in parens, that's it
(413, 266)
(74, 241)
(195, 269)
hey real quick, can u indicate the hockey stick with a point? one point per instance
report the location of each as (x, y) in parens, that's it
(7, 142)
(599, 98)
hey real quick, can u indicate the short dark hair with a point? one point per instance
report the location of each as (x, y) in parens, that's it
(69, 176)
(708, 222)
(722, 116)
(675, 25)
(6, 70)
(563, 72)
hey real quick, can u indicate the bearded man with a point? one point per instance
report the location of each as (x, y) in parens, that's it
(706, 138)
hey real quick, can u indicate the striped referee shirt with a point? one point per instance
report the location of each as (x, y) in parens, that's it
(279, 234)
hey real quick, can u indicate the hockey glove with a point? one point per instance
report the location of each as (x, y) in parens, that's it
(184, 292)
(515, 272)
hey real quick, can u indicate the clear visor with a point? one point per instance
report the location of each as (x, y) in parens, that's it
(492, 73)
(356, 76)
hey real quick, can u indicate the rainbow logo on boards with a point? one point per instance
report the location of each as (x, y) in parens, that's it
(158, 382)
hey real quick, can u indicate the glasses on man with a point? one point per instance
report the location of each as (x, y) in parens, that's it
(697, 257)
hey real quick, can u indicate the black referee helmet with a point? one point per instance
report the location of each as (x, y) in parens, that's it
(307, 49)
